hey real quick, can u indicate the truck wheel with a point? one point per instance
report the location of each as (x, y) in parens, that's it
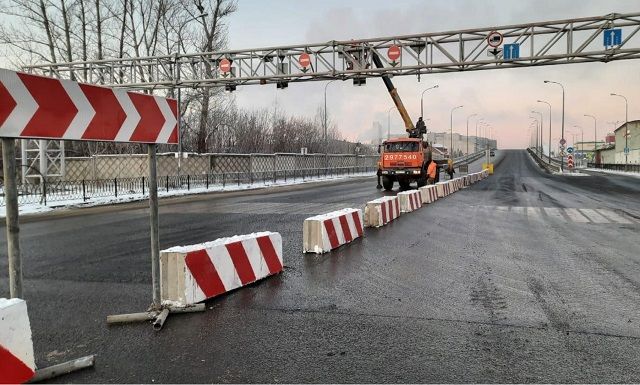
(404, 184)
(387, 183)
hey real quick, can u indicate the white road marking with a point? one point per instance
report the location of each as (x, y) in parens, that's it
(614, 217)
(533, 212)
(575, 216)
(554, 212)
(594, 216)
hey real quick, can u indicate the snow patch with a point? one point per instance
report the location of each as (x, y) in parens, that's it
(217, 242)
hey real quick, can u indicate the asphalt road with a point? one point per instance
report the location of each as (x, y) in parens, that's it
(522, 277)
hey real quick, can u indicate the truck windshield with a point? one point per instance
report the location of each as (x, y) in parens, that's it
(401, 147)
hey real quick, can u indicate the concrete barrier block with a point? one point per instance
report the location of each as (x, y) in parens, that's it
(467, 180)
(191, 274)
(17, 364)
(409, 200)
(381, 211)
(429, 194)
(326, 232)
(452, 186)
(442, 189)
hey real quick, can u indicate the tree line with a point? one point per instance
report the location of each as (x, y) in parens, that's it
(54, 31)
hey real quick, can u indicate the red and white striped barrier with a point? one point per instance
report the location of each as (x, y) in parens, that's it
(48, 108)
(17, 364)
(409, 201)
(381, 211)
(190, 274)
(326, 232)
(429, 194)
(459, 183)
(443, 189)
(467, 180)
(453, 184)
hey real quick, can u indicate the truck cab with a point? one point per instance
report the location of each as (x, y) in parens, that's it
(403, 160)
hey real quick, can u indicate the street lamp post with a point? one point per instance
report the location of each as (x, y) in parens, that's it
(326, 140)
(562, 134)
(475, 142)
(548, 104)
(469, 117)
(626, 126)
(539, 132)
(537, 123)
(422, 100)
(451, 130)
(389, 122)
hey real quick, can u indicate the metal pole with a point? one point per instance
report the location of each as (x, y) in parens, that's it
(451, 131)
(13, 225)
(469, 117)
(562, 135)
(153, 223)
(549, 149)
(326, 139)
(422, 100)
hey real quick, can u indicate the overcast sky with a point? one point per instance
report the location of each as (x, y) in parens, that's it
(502, 97)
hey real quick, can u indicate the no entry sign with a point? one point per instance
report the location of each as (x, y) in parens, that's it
(38, 107)
(393, 52)
(225, 65)
(304, 60)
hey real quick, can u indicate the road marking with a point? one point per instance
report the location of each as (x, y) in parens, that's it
(614, 217)
(575, 216)
(517, 209)
(533, 212)
(594, 216)
(554, 212)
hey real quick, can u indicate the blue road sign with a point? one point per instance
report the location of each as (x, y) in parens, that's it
(511, 51)
(570, 150)
(612, 37)
(626, 150)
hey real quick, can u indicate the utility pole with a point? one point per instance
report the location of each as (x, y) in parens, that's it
(422, 100)
(540, 132)
(326, 140)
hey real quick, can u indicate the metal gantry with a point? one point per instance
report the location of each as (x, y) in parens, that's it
(542, 43)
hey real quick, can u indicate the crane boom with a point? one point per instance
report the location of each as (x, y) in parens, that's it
(408, 124)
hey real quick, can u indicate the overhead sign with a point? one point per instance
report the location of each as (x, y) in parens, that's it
(38, 107)
(304, 60)
(563, 142)
(612, 37)
(511, 51)
(224, 65)
(494, 39)
(570, 150)
(393, 52)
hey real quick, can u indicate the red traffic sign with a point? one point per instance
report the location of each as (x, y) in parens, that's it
(39, 107)
(224, 65)
(494, 39)
(563, 142)
(393, 52)
(304, 60)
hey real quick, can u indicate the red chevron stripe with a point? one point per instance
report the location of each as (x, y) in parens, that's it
(345, 228)
(151, 118)
(55, 108)
(383, 208)
(7, 105)
(356, 221)
(109, 114)
(204, 273)
(331, 233)
(269, 254)
(241, 262)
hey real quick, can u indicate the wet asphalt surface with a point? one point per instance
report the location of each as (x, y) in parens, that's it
(501, 282)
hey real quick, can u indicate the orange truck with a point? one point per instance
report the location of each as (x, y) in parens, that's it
(403, 160)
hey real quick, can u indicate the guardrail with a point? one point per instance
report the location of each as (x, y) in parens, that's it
(553, 166)
(85, 190)
(468, 158)
(615, 166)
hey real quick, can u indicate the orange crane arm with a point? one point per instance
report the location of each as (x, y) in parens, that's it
(408, 124)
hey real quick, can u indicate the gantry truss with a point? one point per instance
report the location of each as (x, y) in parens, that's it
(543, 43)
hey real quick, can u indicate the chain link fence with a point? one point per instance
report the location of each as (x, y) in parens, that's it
(114, 176)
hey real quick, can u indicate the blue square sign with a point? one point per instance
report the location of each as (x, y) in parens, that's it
(612, 37)
(511, 51)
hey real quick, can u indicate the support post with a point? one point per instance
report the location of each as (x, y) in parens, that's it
(153, 223)
(13, 226)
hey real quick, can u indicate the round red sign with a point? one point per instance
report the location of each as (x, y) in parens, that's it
(224, 65)
(494, 39)
(394, 52)
(304, 59)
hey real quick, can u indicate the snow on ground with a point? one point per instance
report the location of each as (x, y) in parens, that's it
(36, 208)
(615, 172)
